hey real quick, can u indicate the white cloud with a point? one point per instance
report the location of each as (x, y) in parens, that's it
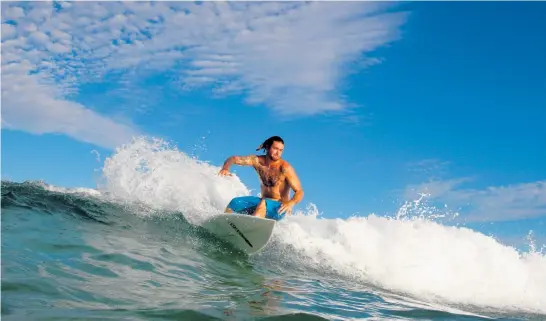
(495, 203)
(37, 77)
(31, 104)
(290, 56)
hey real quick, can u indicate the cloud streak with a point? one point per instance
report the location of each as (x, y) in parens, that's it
(30, 104)
(289, 56)
(495, 203)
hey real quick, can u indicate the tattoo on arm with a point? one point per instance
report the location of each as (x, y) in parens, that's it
(244, 160)
(238, 160)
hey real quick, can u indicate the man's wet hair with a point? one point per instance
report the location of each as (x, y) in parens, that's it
(268, 142)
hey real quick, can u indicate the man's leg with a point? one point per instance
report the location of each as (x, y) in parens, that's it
(260, 209)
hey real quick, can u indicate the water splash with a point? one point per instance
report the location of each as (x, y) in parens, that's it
(532, 244)
(199, 146)
(421, 209)
(156, 174)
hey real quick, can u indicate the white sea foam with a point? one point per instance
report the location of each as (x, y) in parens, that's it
(407, 255)
(423, 258)
(156, 174)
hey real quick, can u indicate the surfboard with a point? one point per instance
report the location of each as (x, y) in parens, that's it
(246, 232)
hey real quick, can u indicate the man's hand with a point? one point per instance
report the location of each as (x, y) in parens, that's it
(224, 172)
(286, 207)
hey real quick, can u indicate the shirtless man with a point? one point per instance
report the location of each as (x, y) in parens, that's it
(277, 177)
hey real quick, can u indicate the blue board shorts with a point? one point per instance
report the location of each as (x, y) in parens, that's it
(247, 205)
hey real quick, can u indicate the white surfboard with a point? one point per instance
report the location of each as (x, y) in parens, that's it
(246, 232)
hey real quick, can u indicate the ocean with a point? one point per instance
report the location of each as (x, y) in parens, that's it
(132, 249)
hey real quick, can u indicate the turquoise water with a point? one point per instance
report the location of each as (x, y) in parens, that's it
(68, 255)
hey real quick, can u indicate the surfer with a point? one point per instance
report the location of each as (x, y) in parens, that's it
(277, 177)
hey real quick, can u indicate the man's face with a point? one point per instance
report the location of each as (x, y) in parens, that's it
(275, 151)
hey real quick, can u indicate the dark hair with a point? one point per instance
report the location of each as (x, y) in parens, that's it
(268, 142)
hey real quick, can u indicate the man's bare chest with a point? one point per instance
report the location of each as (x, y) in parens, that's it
(270, 176)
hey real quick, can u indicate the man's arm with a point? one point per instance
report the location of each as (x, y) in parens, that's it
(237, 160)
(295, 184)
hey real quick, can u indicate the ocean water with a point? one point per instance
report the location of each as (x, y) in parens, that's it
(132, 249)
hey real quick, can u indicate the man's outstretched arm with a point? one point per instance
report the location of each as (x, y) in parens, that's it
(237, 160)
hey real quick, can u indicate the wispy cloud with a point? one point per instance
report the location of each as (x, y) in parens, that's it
(495, 203)
(431, 167)
(290, 56)
(39, 72)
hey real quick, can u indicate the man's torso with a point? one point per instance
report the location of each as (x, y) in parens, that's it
(273, 180)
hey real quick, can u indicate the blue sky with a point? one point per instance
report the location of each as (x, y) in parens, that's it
(376, 101)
